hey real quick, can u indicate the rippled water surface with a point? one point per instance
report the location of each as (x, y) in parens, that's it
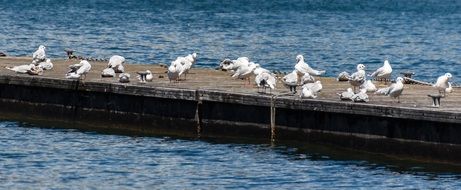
(64, 158)
(423, 36)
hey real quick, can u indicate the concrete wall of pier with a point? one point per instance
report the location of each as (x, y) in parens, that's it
(418, 133)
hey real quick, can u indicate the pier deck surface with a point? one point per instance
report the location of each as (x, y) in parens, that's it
(414, 96)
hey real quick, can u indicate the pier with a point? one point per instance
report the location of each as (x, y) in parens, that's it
(212, 104)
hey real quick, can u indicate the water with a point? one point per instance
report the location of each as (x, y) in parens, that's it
(66, 158)
(423, 36)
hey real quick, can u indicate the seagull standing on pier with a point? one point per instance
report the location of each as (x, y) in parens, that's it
(291, 81)
(442, 83)
(116, 63)
(358, 78)
(187, 63)
(265, 80)
(39, 55)
(233, 65)
(394, 90)
(302, 67)
(78, 70)
(173, 70)
(384, 72)
(245, 71)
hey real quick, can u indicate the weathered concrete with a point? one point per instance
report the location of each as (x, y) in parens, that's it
(210, 103)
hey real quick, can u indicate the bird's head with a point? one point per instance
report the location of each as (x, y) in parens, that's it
(448, 75)
(360, 67)
(299, 58)
(399, 79)
(42, 47)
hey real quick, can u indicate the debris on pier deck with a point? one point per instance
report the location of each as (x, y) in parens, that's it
(414, 96)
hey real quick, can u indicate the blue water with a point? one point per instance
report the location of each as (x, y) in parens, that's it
(423, 36)
(64, 158)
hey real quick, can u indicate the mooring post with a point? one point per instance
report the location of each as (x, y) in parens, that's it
(197, 112)
(272, 125)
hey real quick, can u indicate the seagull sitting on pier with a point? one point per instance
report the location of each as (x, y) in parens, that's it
(78, 70)
(291, 81)
(108, 72)
(47, 65)
(394, 90)
(266, 80)
(362, 96)
(21, 68)
(39, 55)
(302, 67)
(343, 76)
(369, 86)
(307, 93)
(124, 77)
(315, 87)
(116, 63)
(442, 83)
(346, 95)
(383, 73)
(358, 78)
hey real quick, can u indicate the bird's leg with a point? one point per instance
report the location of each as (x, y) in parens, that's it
(398, 99)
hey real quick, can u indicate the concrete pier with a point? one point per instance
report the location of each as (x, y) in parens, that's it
(212, 104)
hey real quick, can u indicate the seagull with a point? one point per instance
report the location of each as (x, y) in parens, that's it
(361, 96)
(442, 83)
(265, 80)
(347, 95)
(315, 87)
(369, 86)
(77, 70)
(233, 65)
(39, 55)
(124, 77)
(291, 81)
(149, 76)
(116, 63)
(307, 78)
(302, 67)
(173, 70)
(449, 89)
(245, 71)
(108, 72)
(258, 70)
(343, 76)
(47, 65)
(307, 93)
(383, 72)
(191, 58)
(394, 90)
(358, 78)
(35, 70)
(21, 68)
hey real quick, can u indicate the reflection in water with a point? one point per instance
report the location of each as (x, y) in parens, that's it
(59, 158)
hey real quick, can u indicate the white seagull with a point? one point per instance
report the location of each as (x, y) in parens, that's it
(442, 83)
(307, 93)
(384, 72)
(315, 87)
(108, 72)
(173, 70)
(307, 78)
(291, 81)
(265, 80)
(302, 67)
(369, 86)
(47, 65)
(394, 90)
(358, 78)
(39, 55)
(347, 95)
(245, 71)
(116, 63)
(361, 96)
(78, 70)
(21, 68)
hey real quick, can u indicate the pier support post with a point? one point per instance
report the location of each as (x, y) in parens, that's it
(272, 125)
(197, 113)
